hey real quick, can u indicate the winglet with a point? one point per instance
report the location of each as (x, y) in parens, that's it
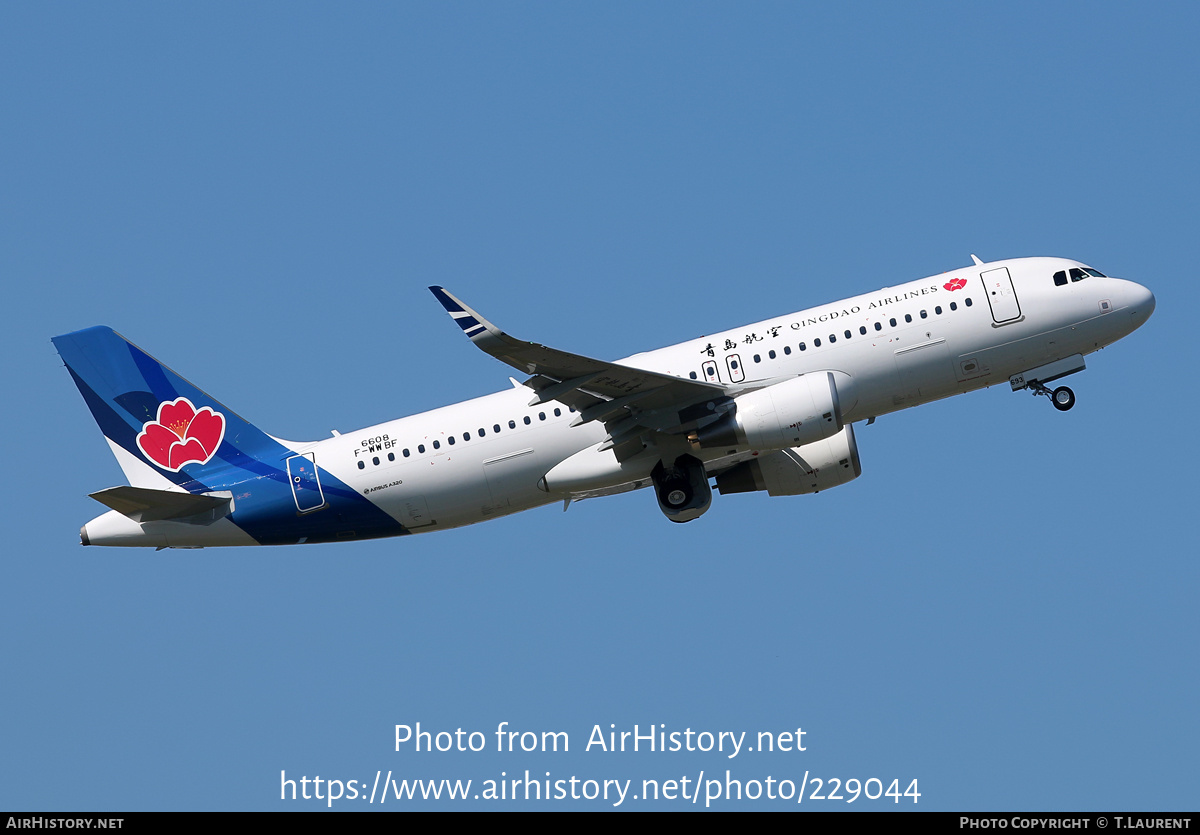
(975, 258)
(472, 323)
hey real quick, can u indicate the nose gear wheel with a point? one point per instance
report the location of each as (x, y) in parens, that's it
(1062, 397)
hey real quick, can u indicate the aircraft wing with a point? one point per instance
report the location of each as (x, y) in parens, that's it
(629, 401)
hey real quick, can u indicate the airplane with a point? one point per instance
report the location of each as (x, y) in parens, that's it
(769, 406)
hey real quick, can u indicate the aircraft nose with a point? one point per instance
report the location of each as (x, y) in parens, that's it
(1141, 301)
(1138, 302)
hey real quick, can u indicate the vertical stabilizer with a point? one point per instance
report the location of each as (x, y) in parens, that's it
(165, 432)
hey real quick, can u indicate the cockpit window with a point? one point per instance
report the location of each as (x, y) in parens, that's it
(1077, 274)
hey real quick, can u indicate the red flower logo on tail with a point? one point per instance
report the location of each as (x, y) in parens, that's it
(955, 284)
(181, 435)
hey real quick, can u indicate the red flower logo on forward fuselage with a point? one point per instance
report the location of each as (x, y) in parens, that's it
(955, 284)
(181, 435)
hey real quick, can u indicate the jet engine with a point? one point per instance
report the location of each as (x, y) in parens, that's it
(788, 414)
(790, 472)
(682, 489)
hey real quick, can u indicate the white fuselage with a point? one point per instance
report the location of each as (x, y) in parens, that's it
(906, 345)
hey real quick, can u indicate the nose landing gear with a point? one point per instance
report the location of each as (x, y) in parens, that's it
(1062, 397)
(1036, 378)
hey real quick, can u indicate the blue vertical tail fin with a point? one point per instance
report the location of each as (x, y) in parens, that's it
(163, 430)
(170, 436)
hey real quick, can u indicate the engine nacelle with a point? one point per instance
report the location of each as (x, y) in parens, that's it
(790, 472)
(793, 413)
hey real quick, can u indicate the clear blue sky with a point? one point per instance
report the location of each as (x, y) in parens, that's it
(1003, 606)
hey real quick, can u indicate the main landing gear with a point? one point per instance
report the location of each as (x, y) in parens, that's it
(1062, 397)
(683, 489)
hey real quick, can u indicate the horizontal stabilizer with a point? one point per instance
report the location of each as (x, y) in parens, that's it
(143, 504)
